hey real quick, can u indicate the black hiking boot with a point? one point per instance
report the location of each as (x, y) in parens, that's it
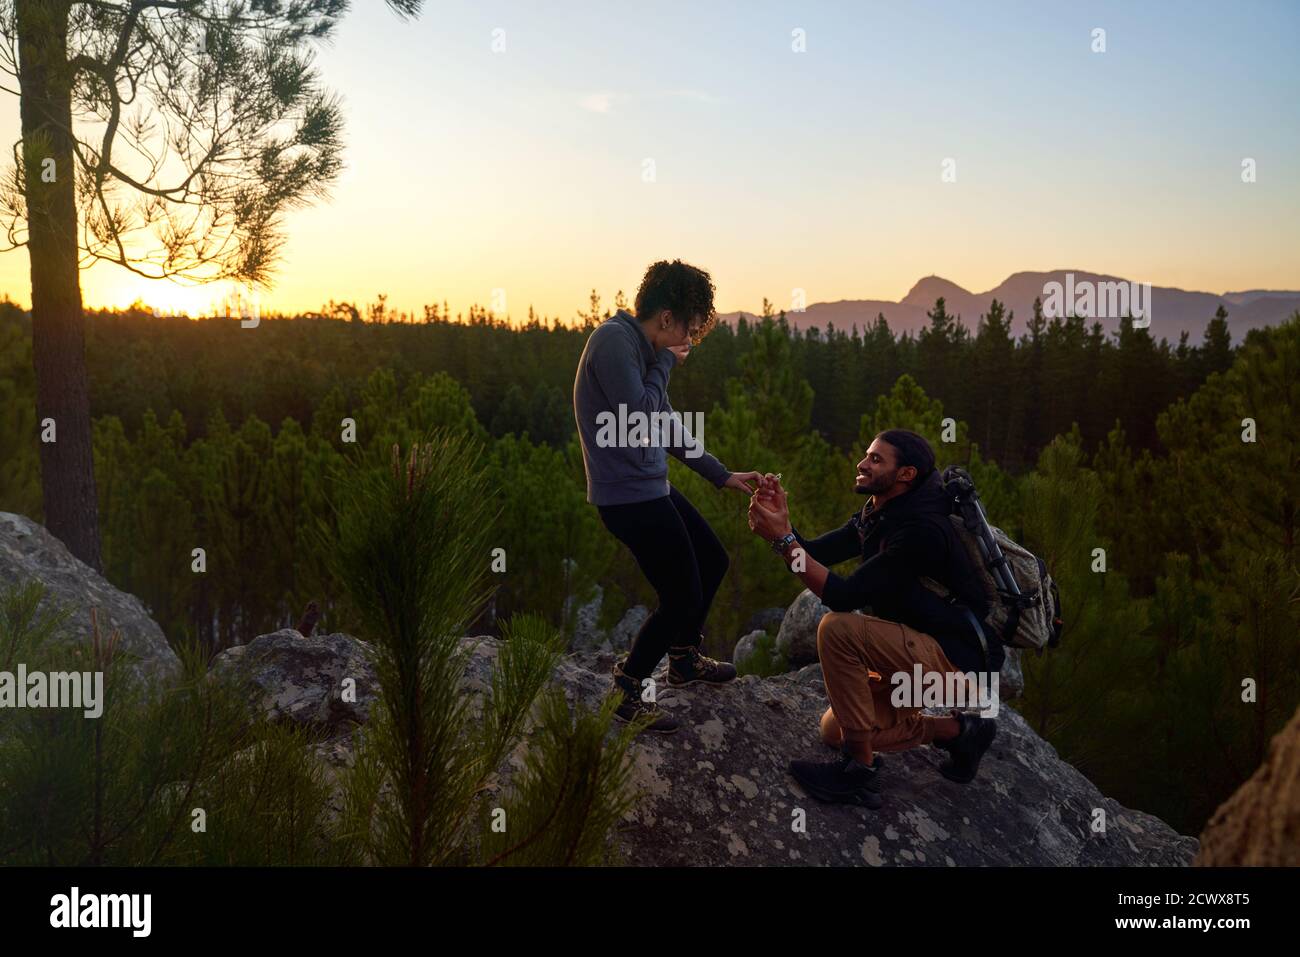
(687, 665)
(843, 781)
(632, 707)
(968, 747)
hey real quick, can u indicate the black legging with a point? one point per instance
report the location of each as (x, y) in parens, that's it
(684, 562)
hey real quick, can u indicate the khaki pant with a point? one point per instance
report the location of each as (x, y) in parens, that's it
(851, 646)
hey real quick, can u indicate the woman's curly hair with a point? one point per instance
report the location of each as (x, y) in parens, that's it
(681, 288)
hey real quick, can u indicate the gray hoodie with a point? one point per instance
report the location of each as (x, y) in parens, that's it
(619, 367)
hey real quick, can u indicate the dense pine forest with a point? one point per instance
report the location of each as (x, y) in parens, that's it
(1158, 480)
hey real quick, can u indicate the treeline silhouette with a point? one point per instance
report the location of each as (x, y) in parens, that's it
(1158, 480)
(1015, 394)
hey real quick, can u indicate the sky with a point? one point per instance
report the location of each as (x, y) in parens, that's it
(518, 176)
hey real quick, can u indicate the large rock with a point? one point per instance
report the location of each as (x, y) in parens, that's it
(628, 627)
(587, 637)
(746, 649)
(303, 680)
(797, 639)
(1260, 824)
(717, 792)
(1011, 679)
(587, 634)
(28, 551)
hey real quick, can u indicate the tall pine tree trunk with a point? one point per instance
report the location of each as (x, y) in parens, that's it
(58, 323)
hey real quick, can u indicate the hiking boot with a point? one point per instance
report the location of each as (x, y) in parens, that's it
(687, 666)
(843, 781)
(632, 707)
(968, 747)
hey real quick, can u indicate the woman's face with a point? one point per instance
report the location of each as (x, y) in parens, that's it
(679, 335)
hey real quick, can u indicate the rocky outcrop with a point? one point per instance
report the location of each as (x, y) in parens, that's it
(717, 792)
(1011, 679)
(587, 634)
(28, 551)
(797, 639)
(326, 682)
(588, 637)
(1260, 824)
(628, 627)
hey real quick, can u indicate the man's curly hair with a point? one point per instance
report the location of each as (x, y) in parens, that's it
(681, 288)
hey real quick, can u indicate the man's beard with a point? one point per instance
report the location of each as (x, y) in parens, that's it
(877, 484)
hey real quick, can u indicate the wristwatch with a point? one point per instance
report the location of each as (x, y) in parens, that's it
(783, 543)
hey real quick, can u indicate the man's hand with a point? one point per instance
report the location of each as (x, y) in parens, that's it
(769, 518)
(768, 524)
(740, 481)
(681, 352)
(770, 493)
(769, 515)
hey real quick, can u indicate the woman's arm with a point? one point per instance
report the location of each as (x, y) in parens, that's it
(616, 368)
(690, 451)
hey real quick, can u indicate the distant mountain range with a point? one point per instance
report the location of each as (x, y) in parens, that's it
(1172, 310)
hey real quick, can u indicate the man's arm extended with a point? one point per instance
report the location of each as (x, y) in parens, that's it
(837, 545)
(810, 571)
(881, 574)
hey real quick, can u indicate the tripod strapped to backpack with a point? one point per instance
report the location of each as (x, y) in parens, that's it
(1023, 618)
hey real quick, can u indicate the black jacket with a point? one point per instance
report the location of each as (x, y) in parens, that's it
(909, 537)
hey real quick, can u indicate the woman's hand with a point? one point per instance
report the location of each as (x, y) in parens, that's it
(740, 481)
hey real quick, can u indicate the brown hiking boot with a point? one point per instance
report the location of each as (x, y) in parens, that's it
(634, 707)
(687, 665)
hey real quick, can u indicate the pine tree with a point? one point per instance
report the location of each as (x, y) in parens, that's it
(993, 377)
(192, 69)
(511, 416)
(938, 347)
(1030, 427)
(778, 394)
(560, 550)
(413, 548)
(1081, 695)
(1216, 347)
(20, 481)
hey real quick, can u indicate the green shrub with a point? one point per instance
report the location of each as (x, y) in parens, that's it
(175, 773)
(414, 547)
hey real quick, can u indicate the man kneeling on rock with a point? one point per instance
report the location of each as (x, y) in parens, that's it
(902, 534)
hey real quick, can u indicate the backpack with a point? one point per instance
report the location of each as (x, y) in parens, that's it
(1024, 604)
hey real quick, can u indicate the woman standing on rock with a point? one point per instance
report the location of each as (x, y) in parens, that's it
(627, 427)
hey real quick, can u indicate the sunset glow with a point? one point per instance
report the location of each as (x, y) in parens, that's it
(520, 175)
